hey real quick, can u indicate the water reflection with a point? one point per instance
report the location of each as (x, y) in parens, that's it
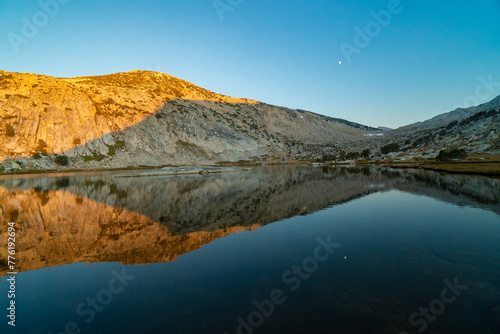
(113, 217)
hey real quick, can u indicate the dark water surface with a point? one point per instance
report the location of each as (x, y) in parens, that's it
(271, 250)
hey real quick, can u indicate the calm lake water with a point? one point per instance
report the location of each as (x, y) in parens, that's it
(269, 250)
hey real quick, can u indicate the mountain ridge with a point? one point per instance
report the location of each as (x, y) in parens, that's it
(139, 118)
(455, 115)
(90, 119)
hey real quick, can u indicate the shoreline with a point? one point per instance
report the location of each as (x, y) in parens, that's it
(472, 167)
(468, 168)
(475, 164)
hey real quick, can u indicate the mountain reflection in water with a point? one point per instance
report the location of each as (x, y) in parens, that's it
(103, 218)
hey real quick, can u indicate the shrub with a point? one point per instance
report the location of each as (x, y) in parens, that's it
(94, 157)
(185, 143)
(328, 157)
(61, 160)
(453, 154)
(352, 155)
(452, 124)
(342, 155)
(9, 130)
(393, 147)
(479, 116)
(365, 153)
(42, 147)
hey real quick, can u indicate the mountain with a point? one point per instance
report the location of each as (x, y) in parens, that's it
(458, 114)
(474, 129)
(143, 118)
(150, 118)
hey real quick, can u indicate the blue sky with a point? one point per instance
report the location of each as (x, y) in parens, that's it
(430, 58)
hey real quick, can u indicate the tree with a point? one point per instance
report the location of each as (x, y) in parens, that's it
(42, 147)
(342, 155)
(328, 157)
(393, 147)
(365, 154)
(61, 160)
(453, 154)
(352, 155)
(452, 124)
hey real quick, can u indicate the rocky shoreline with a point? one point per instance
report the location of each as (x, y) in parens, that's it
(486, 165)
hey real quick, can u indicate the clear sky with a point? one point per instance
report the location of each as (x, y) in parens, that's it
(427, 58)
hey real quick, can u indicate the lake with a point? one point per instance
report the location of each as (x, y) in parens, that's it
(276, 249)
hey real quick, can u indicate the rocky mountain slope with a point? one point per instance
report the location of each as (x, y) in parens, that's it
(475, 130)
(149, 118)
(456, 115)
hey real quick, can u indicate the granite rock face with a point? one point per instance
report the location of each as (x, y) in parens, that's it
(149, 118)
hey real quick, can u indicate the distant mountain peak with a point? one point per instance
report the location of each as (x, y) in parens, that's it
(451, 116)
